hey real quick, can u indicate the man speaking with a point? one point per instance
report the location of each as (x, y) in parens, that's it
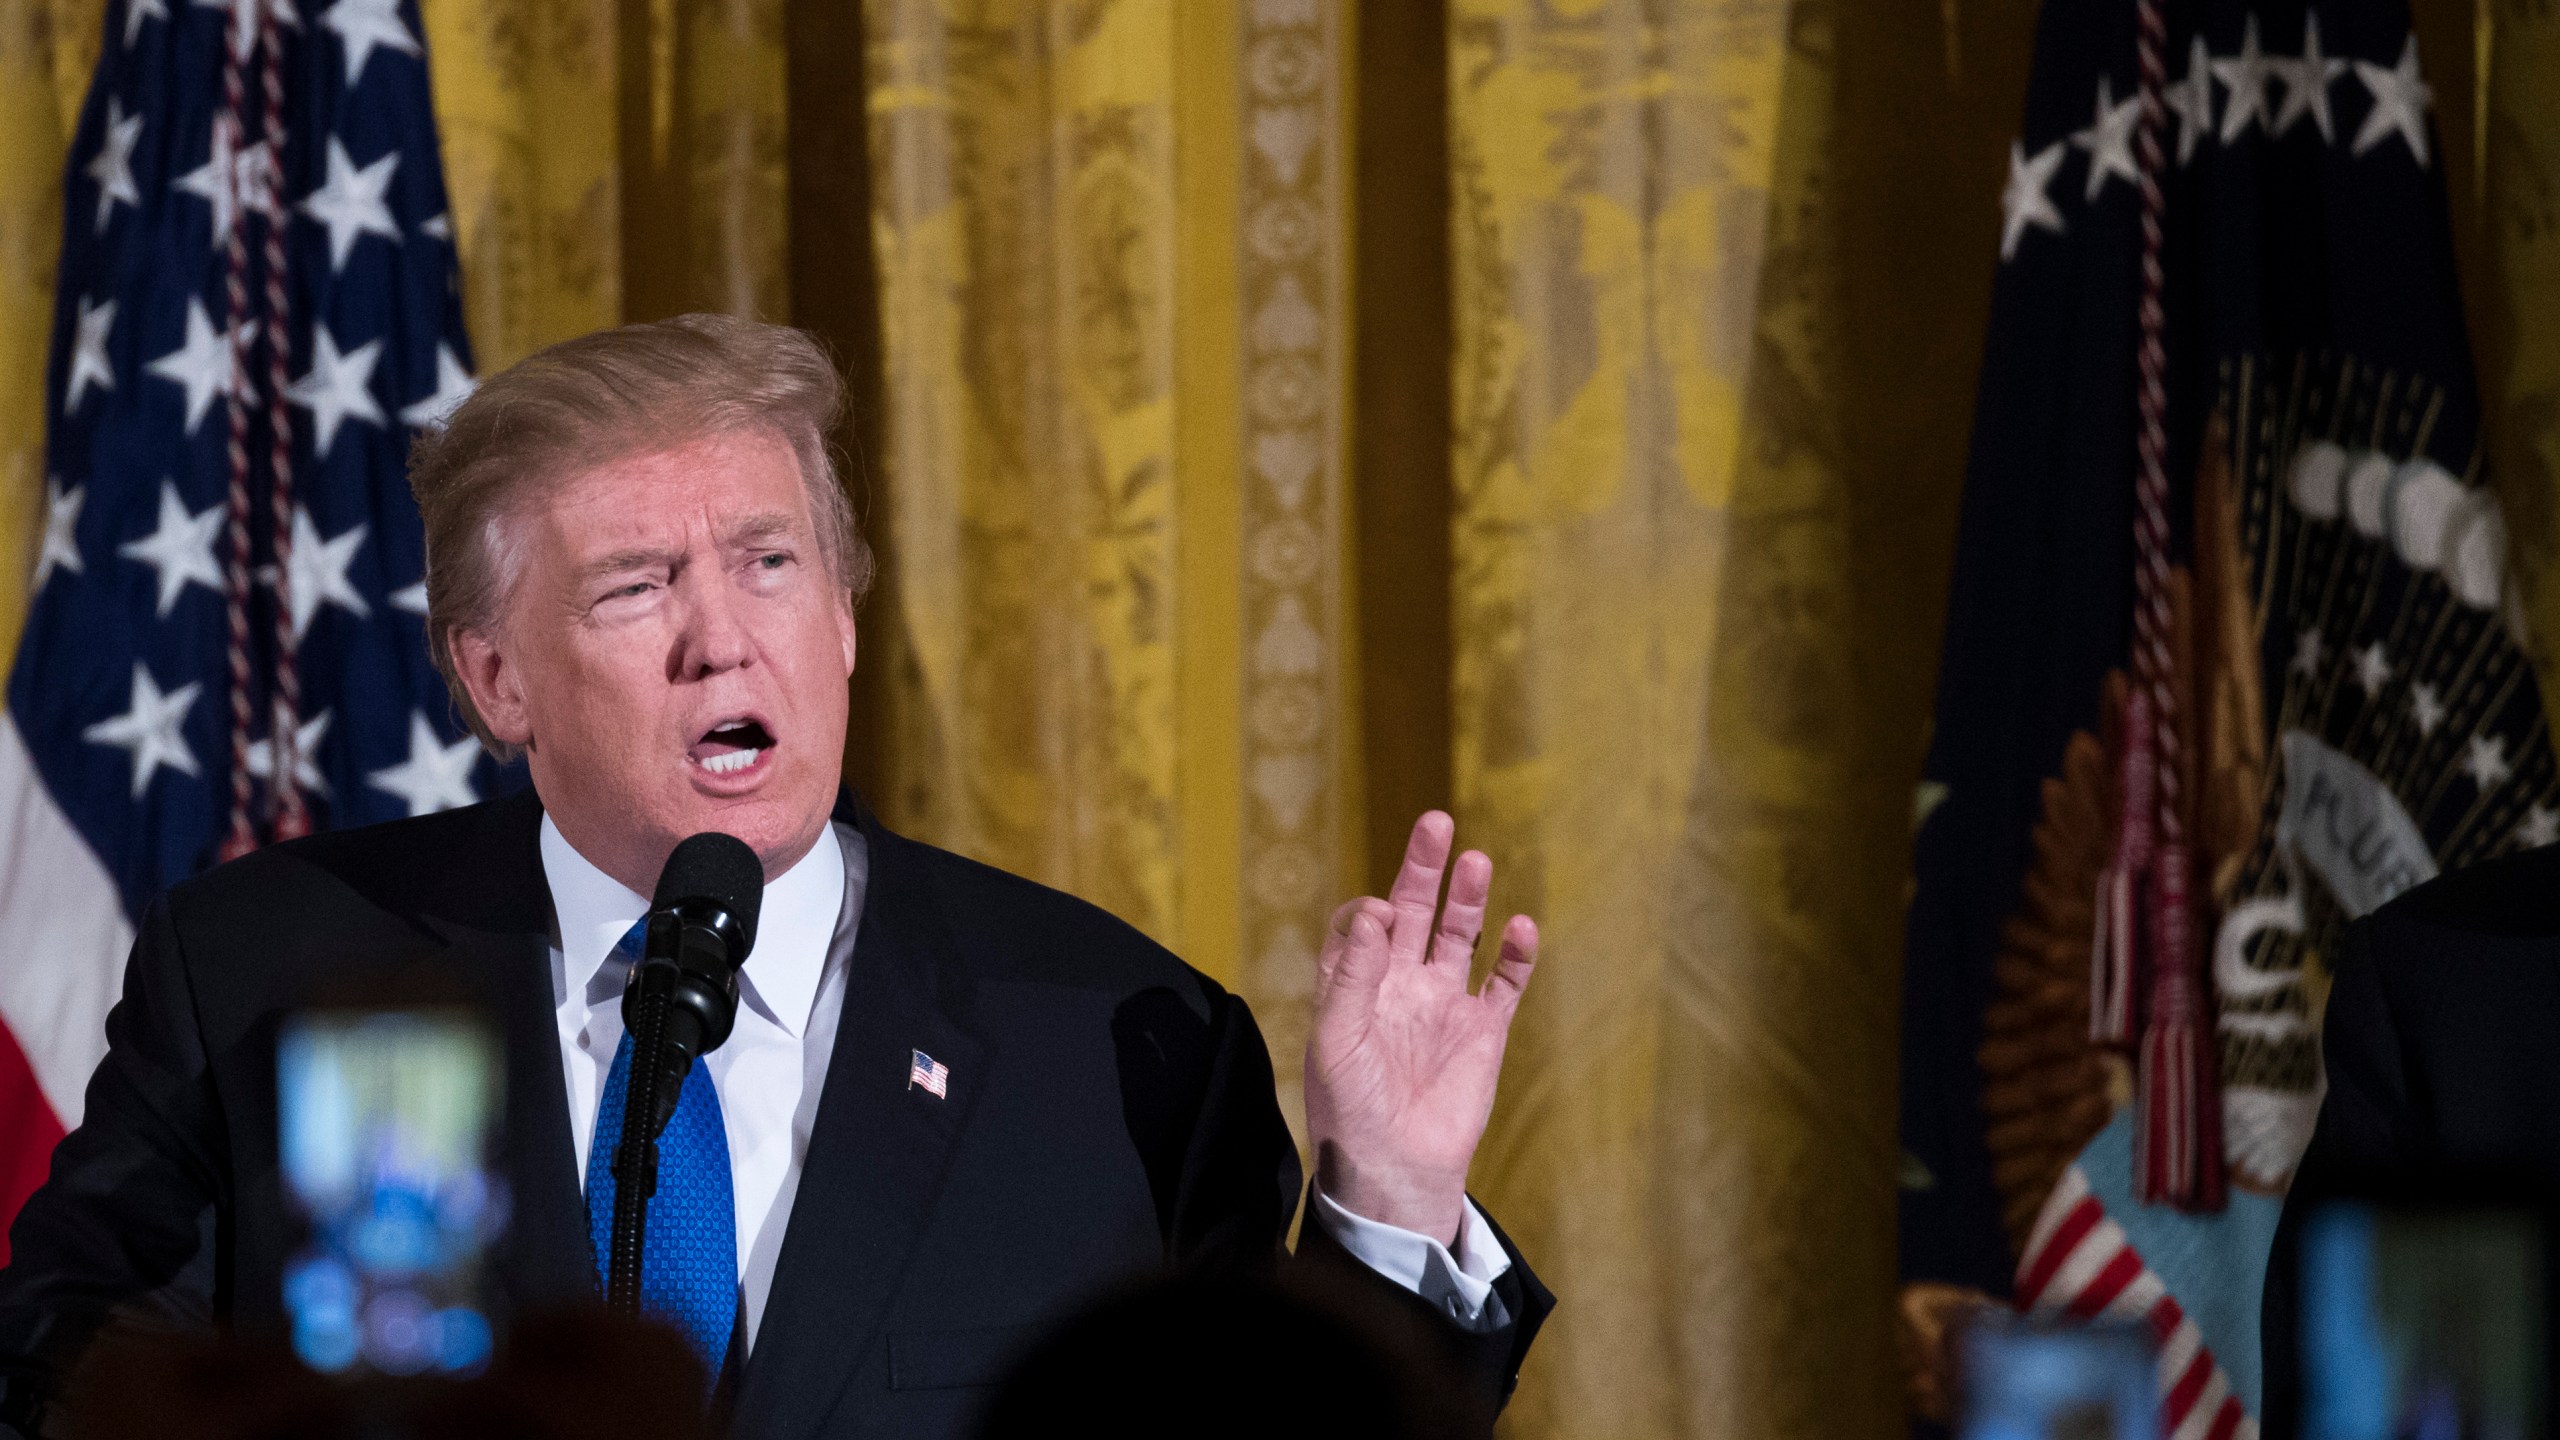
(642, 576)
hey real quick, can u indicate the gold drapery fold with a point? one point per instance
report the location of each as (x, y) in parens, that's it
(705, 211)
(610, 161)
(1296, 666)
(1024, 219)
(48, 48)
(1111, 632)
(1612, 167)
(1716, 327)
(2514, 211)
(525, 95)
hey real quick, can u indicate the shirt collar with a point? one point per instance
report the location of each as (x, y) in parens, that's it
(795, 927)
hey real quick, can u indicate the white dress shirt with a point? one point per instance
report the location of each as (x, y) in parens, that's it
(772, 1069)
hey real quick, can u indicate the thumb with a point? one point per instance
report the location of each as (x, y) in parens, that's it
(1362, 964)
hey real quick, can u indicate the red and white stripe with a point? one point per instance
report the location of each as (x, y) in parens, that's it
(2080, 1265)
(69, 937)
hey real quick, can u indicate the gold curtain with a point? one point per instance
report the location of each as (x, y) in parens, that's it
(1110, 646)
(2510, 217)
(1716, 325)
(1025, 215)
(47, 50)
(1162, 601)
(610, 160)
(1613, 169)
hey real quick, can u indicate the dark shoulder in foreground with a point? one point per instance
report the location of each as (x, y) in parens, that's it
(1011, 928)
(2511, 897)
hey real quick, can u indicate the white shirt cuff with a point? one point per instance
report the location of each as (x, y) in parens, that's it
(1458, 1285)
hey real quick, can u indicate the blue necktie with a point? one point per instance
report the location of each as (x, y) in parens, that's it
(689, 1274)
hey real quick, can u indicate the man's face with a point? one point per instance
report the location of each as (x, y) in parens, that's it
(673, 656)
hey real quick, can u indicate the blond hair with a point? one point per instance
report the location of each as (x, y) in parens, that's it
(611, 395)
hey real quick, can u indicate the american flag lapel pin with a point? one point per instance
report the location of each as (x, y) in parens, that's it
(930, 1073)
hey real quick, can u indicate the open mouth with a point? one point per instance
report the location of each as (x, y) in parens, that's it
(732, 747)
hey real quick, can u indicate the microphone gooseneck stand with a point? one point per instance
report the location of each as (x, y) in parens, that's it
(635, 1160)
(678, 1007)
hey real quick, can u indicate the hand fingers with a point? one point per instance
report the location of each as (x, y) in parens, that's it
(1337, 930)
(1462, 917)
(1360, 962)
(1426, 853)
(1337, 934)
(1519, 957)
(1416, 893)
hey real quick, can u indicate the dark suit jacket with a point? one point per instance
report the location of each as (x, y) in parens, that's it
(1110, 1111)
(2442, 1044)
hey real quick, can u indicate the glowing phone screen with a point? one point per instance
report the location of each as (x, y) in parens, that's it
(387, 1139)
(2423, 1321)
(2026, 1380)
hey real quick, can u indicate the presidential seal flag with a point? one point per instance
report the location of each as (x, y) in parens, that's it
(224, 647)
(2232, 658)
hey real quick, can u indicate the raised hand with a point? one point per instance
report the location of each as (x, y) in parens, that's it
(1402, 1057)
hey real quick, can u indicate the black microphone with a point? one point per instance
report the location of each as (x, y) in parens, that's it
(680, 1002)
(702, 924)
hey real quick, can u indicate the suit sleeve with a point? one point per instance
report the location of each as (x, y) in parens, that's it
(2365, 1131)
(1240, 1188)
(127, 1222)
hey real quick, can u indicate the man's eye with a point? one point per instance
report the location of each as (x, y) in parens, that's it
(773, 562)
(636, 587)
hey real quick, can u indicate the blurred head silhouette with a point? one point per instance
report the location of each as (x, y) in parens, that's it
(1237, 1358)
(583, 1374)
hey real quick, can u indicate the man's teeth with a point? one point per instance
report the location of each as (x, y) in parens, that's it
(730, 763)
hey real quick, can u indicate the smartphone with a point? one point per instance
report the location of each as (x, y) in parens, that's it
(2423, 1321)
(2029, 1379)
(388, 1134)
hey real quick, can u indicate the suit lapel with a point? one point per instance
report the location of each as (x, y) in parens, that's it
(496, 927)
(878, 1152)
(546, 1260)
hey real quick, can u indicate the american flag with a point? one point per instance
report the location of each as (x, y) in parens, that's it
(2080, 1265)
(258, 304)
(930, 1073)
(2233, 656)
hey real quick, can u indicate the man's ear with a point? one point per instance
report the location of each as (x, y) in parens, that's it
(845, 629)
(494, 682)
